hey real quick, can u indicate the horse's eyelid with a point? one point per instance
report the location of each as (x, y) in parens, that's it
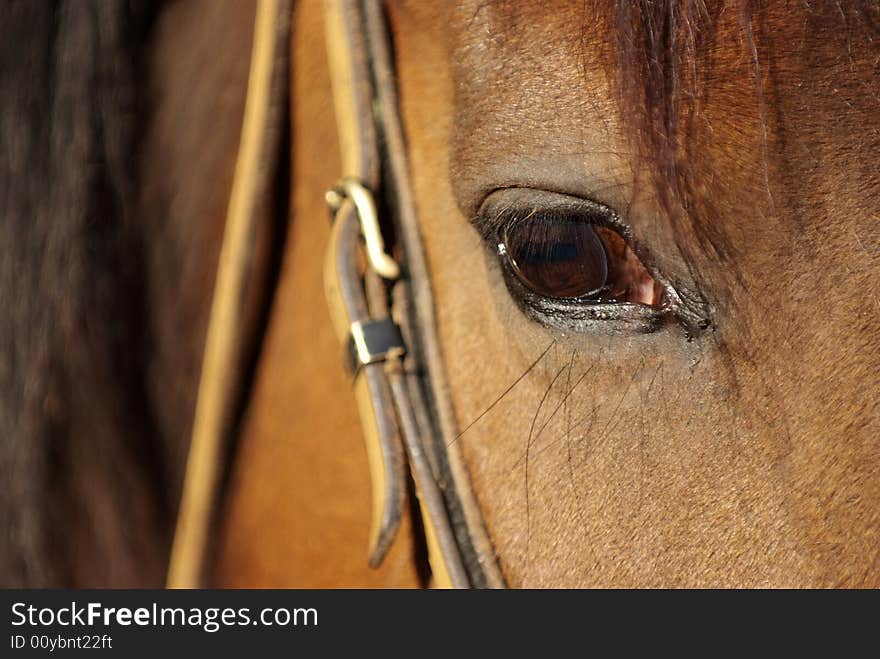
(491, 225)
(491, 222)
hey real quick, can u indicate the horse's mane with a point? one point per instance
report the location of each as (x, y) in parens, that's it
(665, 54)
(662, 50)
(71, 281)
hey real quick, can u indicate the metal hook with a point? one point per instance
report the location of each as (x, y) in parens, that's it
(362, 198)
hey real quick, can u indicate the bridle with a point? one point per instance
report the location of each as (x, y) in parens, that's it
(382, 312)
(385, 315)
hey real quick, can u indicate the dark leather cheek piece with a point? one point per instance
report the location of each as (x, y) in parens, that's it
(386, 324)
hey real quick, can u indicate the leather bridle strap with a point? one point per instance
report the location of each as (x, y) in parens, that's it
(384, 315)
(378, 317)
(218, 382)
(359, 307)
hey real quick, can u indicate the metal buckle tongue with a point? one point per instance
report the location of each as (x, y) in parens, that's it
(362, 198)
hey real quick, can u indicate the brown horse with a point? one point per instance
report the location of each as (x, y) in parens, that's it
(689, 400)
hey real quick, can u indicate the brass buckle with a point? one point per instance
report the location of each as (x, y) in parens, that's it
(360, 195)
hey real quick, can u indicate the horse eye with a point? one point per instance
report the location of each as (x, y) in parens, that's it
(558, 259)
(566, 257)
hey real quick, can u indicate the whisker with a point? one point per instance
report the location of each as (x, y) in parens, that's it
(613, 416)
(583, 419)
(504, 393)
(555, 410)
(528, 448)
(569, 460)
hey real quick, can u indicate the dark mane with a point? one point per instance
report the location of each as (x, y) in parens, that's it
(666, 53)
(662, 58)
(72, 286)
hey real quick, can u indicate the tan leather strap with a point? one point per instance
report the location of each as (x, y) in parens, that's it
(346, 295)
(219, 379)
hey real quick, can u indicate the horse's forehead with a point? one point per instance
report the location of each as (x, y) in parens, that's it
(530, 103)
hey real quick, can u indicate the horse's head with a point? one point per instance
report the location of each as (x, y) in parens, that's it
(652, 234)
(639, 246)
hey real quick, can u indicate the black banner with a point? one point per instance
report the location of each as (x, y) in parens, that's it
(156, 622)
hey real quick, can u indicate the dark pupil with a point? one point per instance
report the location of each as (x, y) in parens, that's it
(562, 258)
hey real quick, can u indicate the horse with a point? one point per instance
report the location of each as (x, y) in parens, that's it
(627, 211)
